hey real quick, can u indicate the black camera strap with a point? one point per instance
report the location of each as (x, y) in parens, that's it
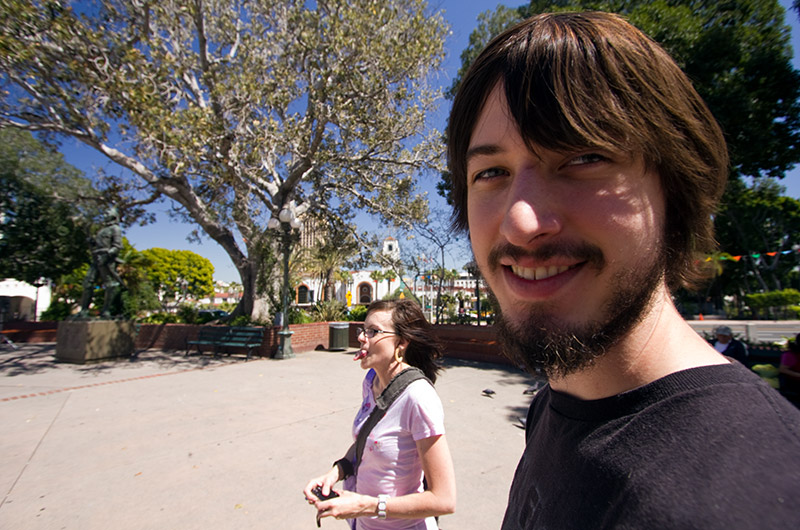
(382, 403)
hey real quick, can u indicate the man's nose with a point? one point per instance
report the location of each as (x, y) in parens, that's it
(532, 210)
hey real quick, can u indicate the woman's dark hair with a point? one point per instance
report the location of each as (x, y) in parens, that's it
(410, 324)
(794, 345)
(592, 80)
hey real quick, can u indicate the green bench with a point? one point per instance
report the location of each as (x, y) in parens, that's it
(222, 338)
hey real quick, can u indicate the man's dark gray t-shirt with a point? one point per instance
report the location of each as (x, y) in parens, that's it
(710, 447)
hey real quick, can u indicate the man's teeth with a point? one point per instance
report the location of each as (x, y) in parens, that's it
(538, 273)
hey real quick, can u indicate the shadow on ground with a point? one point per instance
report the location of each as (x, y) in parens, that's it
(30, 359)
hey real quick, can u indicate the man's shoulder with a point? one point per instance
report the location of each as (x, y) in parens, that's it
(714, 425)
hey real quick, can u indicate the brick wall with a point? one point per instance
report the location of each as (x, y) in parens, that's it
(460, 341)
(27, 331)
(309, 337)
(471, 343)
(306, 337)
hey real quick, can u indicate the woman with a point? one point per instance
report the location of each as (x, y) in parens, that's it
(789, 369)
(385, 489)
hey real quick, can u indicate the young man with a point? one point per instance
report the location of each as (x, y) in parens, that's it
(586, 169)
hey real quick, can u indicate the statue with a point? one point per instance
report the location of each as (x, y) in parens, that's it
(106, 246)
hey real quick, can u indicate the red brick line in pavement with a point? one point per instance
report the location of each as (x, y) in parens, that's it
(67, 389)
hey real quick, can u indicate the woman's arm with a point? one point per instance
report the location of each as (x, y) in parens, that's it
(438, 499)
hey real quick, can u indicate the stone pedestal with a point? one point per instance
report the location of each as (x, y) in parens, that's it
(86, 341)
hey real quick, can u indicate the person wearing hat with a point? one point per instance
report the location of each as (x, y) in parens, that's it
(728, 346)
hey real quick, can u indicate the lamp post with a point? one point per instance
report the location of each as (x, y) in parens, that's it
(472, 268)
(287, 222)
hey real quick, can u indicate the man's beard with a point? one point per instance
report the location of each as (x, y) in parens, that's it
(543, 342)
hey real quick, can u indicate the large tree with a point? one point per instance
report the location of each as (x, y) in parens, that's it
(738, 55)
(235, 109)
(764, 228)
(42, 233)
(178, 274)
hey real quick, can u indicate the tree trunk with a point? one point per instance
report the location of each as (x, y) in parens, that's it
(328, 285)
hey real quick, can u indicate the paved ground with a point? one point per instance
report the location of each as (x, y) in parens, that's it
(164, 441)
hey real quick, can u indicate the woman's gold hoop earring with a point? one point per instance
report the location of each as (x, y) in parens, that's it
(397, 356)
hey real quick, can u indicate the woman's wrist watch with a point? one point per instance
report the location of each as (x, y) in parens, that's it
(382, 506)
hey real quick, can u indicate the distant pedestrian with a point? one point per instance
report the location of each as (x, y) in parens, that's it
(729, 346)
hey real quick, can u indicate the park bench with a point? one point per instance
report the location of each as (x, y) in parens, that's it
(221, 338)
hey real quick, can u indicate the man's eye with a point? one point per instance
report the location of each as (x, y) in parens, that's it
(588, 158)
(489, 173)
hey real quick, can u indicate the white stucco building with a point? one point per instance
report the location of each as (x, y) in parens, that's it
(359, 289)
(22, 301)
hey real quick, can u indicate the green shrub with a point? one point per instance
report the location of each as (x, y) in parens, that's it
(160, 318)
(329, 310)
(773, 303)
(187, 314)
(299, 316)
(241, 320)
(58, 310)
(357, 313)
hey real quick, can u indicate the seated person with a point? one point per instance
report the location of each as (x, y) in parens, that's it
(728, 346)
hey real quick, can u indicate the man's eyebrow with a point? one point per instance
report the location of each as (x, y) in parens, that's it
(482, 150)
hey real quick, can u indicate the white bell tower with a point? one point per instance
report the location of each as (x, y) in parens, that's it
(391, 249)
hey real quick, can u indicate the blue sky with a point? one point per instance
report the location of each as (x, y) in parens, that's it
(461, 15)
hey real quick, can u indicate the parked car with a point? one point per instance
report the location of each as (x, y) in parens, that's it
(207, 315)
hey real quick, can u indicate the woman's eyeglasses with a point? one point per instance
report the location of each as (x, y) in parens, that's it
(370, 333)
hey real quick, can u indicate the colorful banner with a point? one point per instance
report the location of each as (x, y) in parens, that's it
(754, 256)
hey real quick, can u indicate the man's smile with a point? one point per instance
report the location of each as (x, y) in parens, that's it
(538, 273)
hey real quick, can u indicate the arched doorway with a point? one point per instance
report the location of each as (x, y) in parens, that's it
(364, 293)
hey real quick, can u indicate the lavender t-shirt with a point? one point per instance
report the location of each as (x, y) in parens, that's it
(390, 463)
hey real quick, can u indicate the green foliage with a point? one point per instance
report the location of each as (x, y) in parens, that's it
(738, 55)
(243, 320)
(327, 258)
(319, 105)
(57, 311)
(405, 292)
(758, 220)
(187, 313)
(357, 313)
(161, 318)
(300, 316)
(67, 292)
(774, 303)
(40, 236)
(330, 310)
(176, 274)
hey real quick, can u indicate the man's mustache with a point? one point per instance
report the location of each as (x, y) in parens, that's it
(579, 252)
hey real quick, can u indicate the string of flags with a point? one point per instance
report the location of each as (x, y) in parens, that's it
(754, 256)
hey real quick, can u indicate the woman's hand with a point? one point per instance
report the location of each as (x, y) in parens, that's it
(325, 482)
(347, 505)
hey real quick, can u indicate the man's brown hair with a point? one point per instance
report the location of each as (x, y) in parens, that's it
(592, 80)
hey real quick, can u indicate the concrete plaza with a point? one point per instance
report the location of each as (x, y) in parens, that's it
(166, 441)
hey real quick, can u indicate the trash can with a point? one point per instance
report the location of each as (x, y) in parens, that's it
(338, 336)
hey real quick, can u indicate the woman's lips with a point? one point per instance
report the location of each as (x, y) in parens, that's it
(360, 355)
